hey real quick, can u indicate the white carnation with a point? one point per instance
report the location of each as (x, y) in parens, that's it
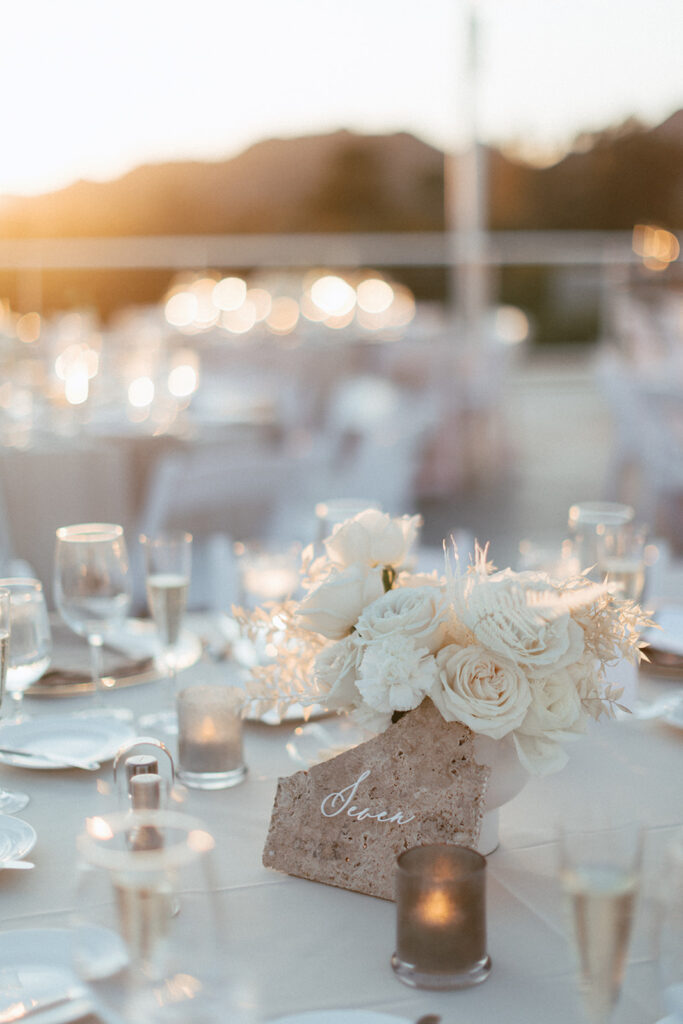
(395, 675)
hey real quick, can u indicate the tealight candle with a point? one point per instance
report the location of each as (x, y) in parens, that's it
(441, 918)
(210, 737)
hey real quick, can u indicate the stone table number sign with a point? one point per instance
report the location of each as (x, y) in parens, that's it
(344, 821)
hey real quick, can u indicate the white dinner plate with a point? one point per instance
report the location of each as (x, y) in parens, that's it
(340, 1017)
(36, 971)
(87, 737)
(17, 838)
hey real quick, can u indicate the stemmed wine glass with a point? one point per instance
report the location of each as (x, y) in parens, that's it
(600, 873)
(168, 566)
(9, 801)
(92, 584)
(31, 644)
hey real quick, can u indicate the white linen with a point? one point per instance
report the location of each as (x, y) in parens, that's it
(296, 945)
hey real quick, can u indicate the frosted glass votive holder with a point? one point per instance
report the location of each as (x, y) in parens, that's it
(441, 918)
(210, 753)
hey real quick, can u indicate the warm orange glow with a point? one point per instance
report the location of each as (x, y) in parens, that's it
(437, 908)
(657, 247)
(284, 315)
(28, 328)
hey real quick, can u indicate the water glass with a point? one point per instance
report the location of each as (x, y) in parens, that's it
(10, 801)
(621, 560)
(591, 520)
(30, 648)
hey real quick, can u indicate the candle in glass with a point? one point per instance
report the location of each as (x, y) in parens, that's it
(210, 737)
(441, 918)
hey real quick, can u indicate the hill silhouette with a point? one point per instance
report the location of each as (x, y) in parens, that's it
(344, 181)
(349, 182)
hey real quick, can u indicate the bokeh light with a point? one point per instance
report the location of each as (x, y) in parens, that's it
(141, 392)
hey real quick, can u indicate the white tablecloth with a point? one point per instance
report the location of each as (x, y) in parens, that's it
(299, 945)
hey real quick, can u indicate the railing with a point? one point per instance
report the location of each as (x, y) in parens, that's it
(418, 249)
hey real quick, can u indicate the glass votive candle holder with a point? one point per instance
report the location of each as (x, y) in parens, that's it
(210, 737)
(441, 918)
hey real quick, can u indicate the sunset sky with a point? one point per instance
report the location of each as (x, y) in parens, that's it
(92, 88)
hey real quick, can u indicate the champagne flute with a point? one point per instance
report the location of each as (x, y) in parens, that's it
(168, 566)
(9, 801)
(92, 585)
(599, 872)
(31, 644)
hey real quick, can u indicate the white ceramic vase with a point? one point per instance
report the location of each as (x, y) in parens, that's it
(508, 778)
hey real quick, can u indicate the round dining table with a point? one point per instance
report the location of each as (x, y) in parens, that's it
(295, 945)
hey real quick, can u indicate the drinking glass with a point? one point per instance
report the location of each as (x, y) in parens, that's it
(148, 934)
(599, 873)
(30, 649)
(591, 520)
(9, 801)
(168, 565)
(92, 584)
(621, 559)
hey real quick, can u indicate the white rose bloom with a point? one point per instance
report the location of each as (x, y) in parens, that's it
(420, 613)
(372, 538)
(555, 707)
(521, 617)
(480, 689)
(335, 669)
(395, 675)
(333, 607)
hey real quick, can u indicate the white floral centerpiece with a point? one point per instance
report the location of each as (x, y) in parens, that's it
(507, 654)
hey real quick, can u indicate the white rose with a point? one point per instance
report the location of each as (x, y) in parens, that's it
(420, 613)
(372, 538)
(555, 708)
(334, 670)
(395, 675)
(520, 616)
(333, 607)
(481, 690)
